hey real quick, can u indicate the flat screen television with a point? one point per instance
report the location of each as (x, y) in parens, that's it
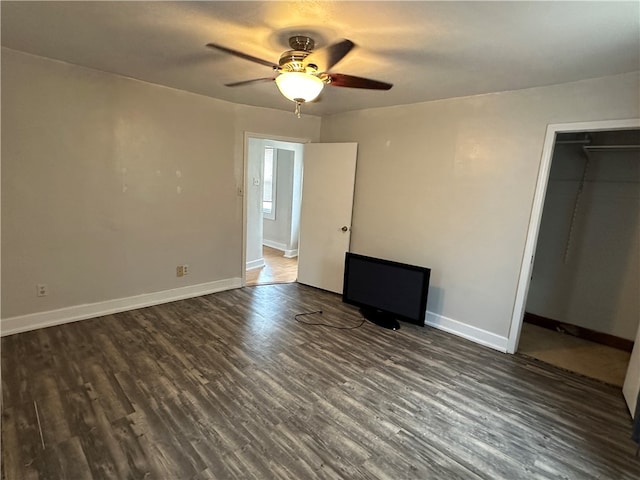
(386, 291)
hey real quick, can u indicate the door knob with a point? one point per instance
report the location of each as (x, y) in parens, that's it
(345, 228)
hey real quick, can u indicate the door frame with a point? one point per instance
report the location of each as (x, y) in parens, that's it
(536, 212)
(245, 167)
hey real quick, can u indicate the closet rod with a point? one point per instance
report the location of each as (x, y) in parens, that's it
(611, 147)
(572, 142)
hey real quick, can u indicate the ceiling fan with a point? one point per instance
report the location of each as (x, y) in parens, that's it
(302, 73)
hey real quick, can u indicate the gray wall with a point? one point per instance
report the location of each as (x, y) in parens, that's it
(92, 162)
(588, 274)
(109, 183)
(449, 184)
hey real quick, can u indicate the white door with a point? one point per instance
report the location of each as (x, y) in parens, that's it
(632, 380)
(328, 178)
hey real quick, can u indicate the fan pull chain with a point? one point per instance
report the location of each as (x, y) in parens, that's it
(576, 204)
(297, 110)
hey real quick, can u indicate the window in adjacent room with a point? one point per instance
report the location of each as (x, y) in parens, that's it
(269, 184)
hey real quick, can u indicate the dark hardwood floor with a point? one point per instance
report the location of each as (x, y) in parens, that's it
(230, 386)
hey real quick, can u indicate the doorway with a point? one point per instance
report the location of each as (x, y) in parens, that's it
(584, 232)
(277, 268)
(273, 187)
(320, 226)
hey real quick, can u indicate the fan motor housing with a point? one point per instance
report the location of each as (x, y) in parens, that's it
(293, 61)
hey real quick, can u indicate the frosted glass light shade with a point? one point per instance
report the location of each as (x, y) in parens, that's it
(299, 86)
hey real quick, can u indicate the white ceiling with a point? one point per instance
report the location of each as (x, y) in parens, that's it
(428, 50)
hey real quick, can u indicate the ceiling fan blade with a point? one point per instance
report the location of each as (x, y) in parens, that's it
(341, 80)
(242, 55)
(249, 82)
(327, 57)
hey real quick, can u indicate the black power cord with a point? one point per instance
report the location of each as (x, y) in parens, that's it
(320, 324)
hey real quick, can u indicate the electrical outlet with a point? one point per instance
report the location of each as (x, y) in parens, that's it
(182, 270)
(42, 290)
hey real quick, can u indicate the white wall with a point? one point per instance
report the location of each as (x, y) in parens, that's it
(296, 206)
(588, 274)
(258, 228)
(255, 156)
(109, 183)
(297, 149)
(277, 231)
(449, 185)
(291, 243)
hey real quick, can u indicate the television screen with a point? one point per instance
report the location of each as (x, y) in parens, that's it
(385, 287)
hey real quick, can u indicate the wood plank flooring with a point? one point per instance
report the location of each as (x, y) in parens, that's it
(277, 268)
(230, 386)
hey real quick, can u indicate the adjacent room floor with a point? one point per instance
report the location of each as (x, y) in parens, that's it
(277, 268)
(594, 360)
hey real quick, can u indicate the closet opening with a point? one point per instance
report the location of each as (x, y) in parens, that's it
(582, 311)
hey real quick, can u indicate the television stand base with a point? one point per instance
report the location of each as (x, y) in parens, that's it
(381, 319)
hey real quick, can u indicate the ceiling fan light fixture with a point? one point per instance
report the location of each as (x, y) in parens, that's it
(299, 86)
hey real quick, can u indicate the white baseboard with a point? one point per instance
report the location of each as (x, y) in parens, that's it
(288, 253)
(23, 323)
(469, 332)
(255, 264)
(276, 245)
